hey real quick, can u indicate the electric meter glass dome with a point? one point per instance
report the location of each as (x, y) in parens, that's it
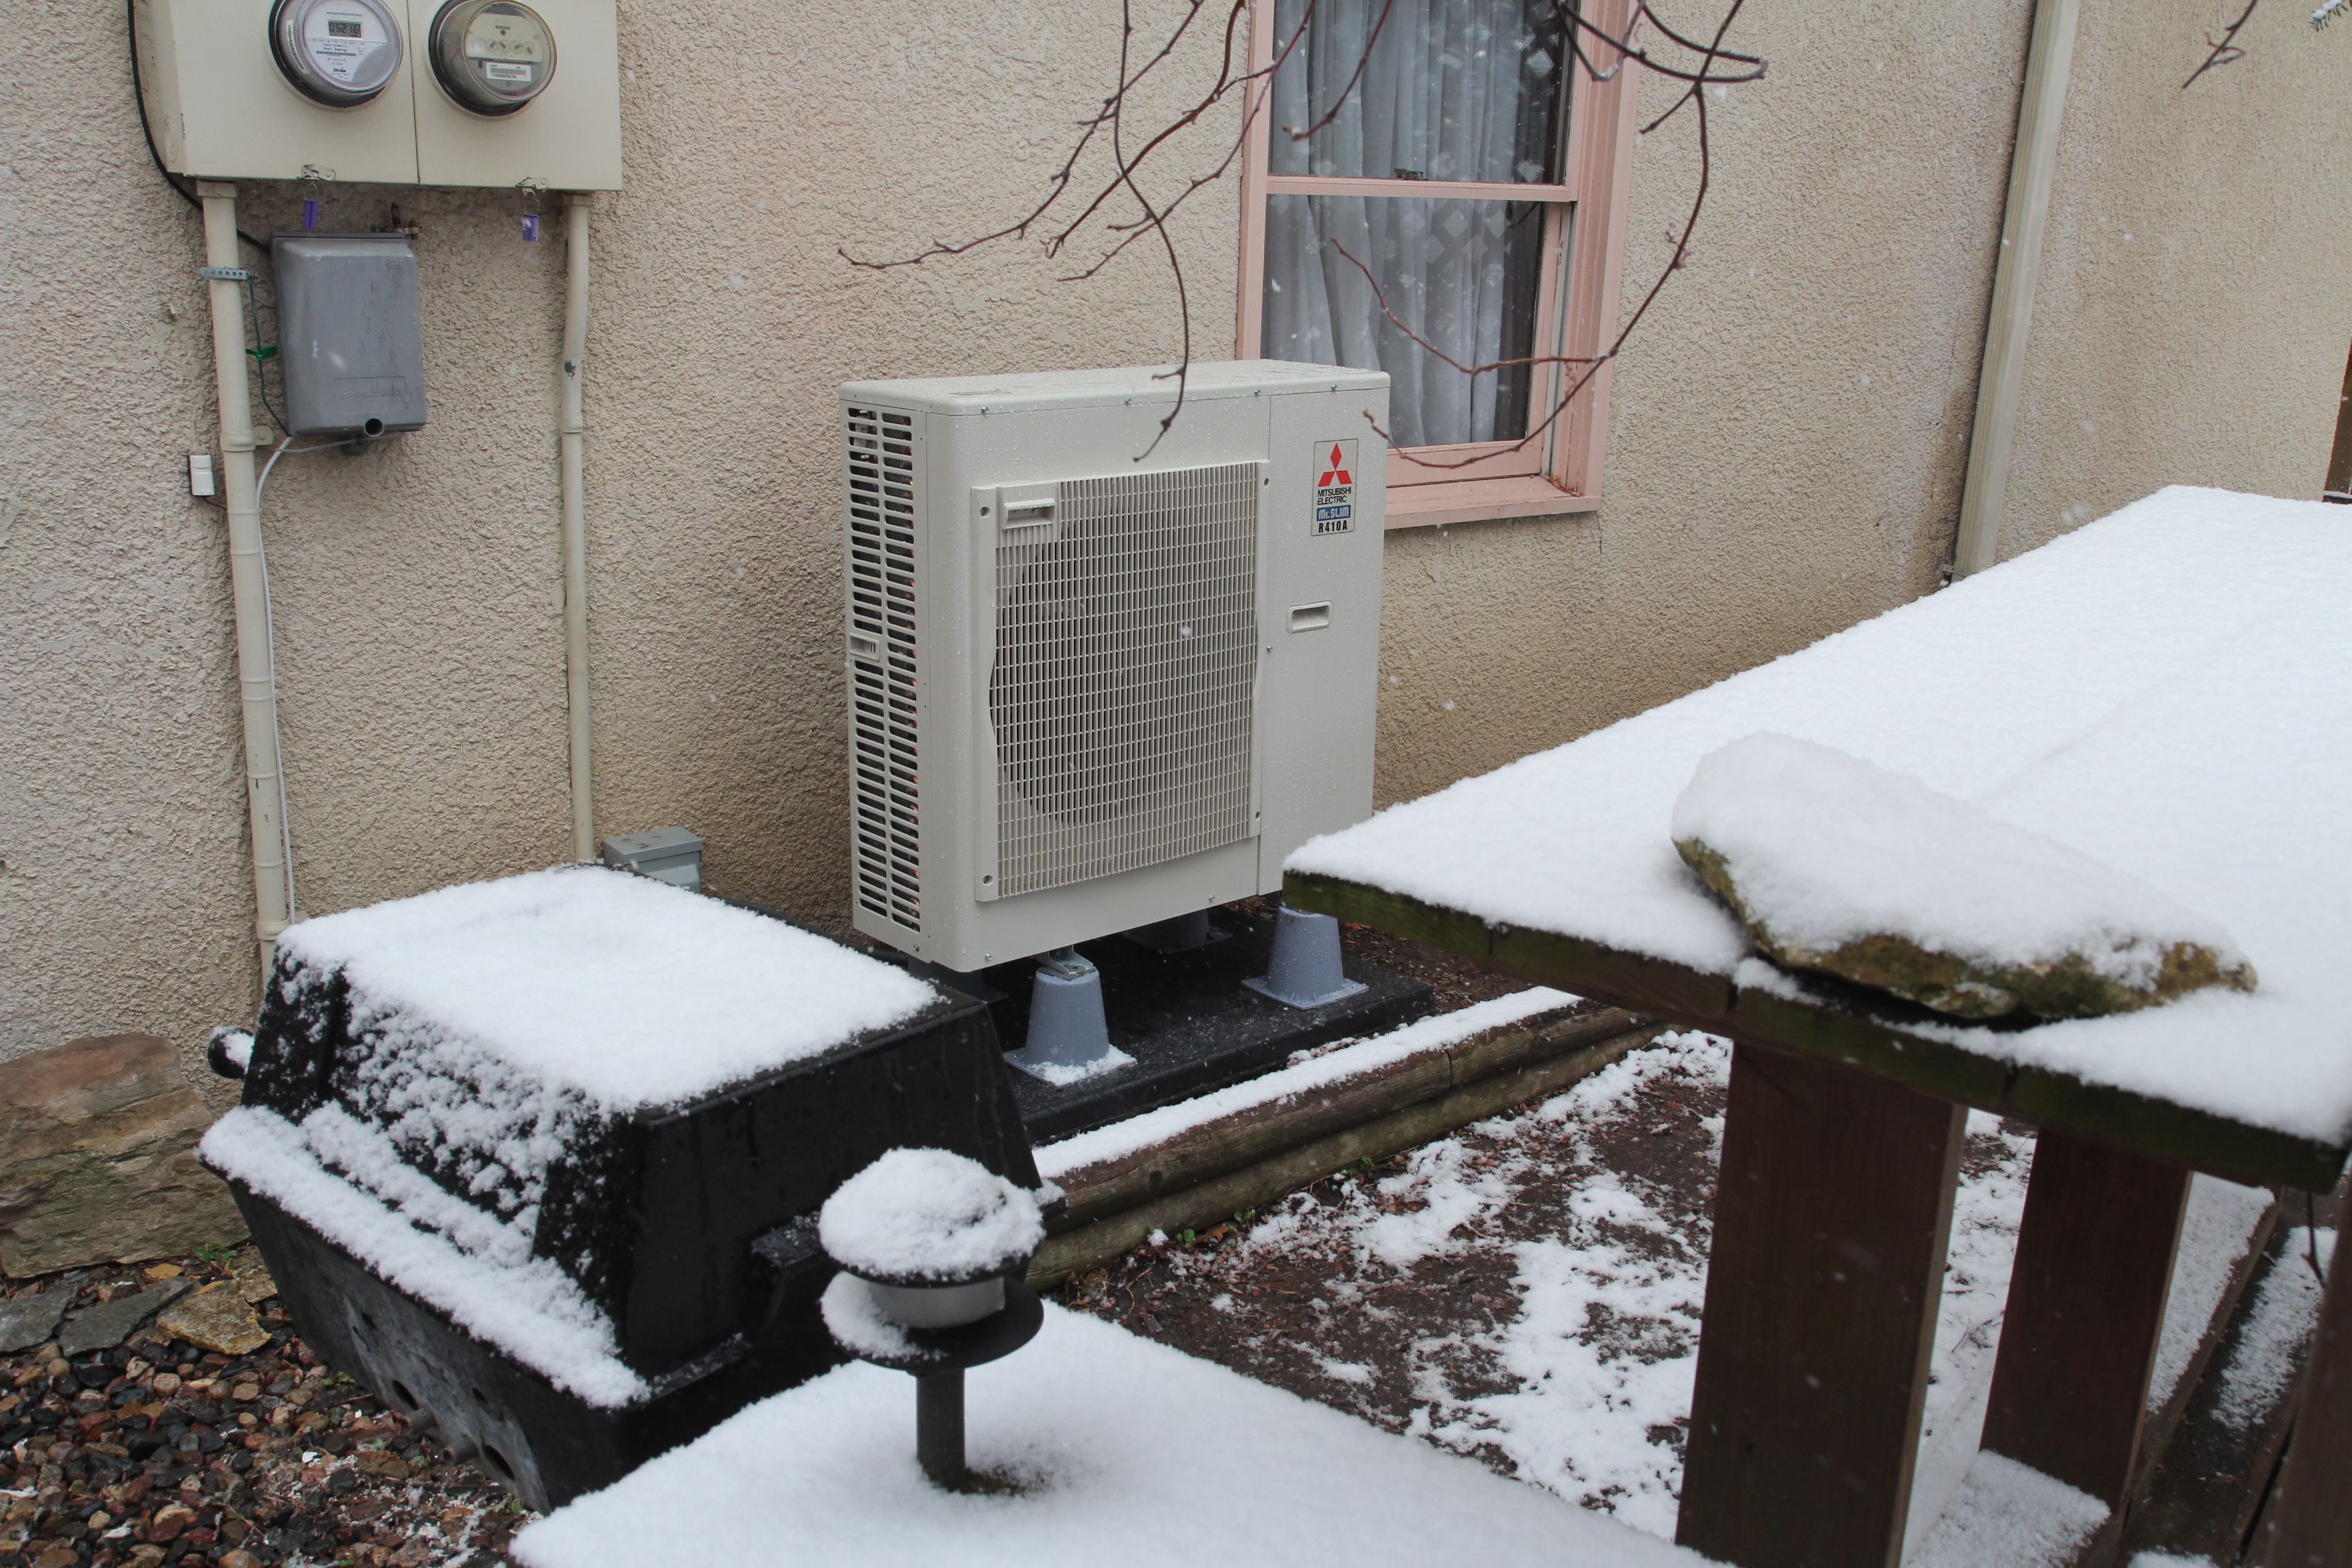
(339, 53)
(492, 55)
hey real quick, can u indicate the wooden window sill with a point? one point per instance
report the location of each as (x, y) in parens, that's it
(1474, 500)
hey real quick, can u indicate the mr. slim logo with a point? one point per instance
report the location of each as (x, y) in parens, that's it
(1335, 488)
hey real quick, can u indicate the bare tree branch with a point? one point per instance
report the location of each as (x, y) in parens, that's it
(1598, 53)
(1674, 264)
(2224, 50)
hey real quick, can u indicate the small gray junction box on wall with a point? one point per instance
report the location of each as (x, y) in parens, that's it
(350, 334)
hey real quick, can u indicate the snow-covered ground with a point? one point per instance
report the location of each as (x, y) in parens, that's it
(1524, 1293)
(1124, 1452)
(1528, 1291)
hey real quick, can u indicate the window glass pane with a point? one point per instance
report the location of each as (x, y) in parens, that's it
(1462, 275)
(1455, 89)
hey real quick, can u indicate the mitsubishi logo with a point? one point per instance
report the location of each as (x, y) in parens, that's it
(1337, 474)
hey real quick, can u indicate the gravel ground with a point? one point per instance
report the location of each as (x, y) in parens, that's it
(156, 1450)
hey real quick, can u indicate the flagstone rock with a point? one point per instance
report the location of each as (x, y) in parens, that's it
(97, 1159)
(254, 1283)
(215, 1318)
(32, 1319)
(2071, 986)
(109, 1323)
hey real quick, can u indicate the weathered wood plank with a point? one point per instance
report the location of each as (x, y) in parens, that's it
(1833, 1031)
(1831, 1213)
(2258, 1156)
(1866, 1046)
(2086, 1301)
(1643, 984)
(2201, 1488)
(2166, 1422)
(2308, 1523)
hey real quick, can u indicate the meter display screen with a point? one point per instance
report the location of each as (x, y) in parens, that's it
(492, 55)
(341, 53)
(341, 46)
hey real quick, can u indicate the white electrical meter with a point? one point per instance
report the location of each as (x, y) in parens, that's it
(492, 56)
(341, 53)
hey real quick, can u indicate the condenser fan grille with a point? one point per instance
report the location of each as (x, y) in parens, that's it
(1126, 664)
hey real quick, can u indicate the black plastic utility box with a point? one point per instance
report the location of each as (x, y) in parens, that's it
(564, 1261)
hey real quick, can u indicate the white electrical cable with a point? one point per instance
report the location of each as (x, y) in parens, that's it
(280, 451)
(270, 635)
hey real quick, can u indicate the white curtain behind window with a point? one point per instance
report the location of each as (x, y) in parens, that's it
(1455, 90)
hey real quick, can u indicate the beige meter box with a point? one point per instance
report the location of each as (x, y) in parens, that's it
(222, 110)
(567, 139)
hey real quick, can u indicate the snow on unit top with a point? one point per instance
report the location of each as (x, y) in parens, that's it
(1836, 864)
(2167, 689)
(571, 976)
(926, 1215)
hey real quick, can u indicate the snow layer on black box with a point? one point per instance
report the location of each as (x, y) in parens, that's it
(463, 1063)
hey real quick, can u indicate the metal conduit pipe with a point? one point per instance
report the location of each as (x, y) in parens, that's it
(2049, 59)
(574, 434)
(265, 821)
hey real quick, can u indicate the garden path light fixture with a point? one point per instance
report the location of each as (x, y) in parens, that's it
(933, 1248)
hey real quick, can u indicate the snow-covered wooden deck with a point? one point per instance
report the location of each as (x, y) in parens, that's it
(2168, 690)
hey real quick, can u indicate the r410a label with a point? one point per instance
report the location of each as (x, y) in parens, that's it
(1335, 488)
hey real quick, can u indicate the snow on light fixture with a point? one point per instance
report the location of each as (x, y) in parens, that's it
(933, 1248)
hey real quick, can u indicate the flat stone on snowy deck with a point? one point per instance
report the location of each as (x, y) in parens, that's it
(1135, 1454)
(2168, 689)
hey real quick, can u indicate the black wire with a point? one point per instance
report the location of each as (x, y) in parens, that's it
(147, 132)
(139, 96)
(260, 357)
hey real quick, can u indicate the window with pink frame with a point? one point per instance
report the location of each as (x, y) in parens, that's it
(1458, 201)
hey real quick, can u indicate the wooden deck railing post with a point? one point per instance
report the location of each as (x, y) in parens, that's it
(1830, 1217)
(2086, 1309)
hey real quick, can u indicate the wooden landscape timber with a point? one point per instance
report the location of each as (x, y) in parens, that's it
(1254, 1155)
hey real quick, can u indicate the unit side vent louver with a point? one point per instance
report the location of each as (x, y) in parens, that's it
(885, 814)
(1124, 671)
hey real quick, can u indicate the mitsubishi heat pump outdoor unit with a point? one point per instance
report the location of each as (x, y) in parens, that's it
(1096, 683)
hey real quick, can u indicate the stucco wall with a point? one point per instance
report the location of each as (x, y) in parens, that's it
(1791, 422)
(416, 587)
(2192, 320)
(1789, 435)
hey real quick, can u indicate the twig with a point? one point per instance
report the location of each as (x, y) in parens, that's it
(1674, 265)
(2224, 50)
(1711, 64)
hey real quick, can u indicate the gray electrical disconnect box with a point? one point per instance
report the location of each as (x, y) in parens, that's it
(350, 334)
(665, 854)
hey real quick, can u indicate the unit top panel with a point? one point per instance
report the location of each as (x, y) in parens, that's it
(1096, 388)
